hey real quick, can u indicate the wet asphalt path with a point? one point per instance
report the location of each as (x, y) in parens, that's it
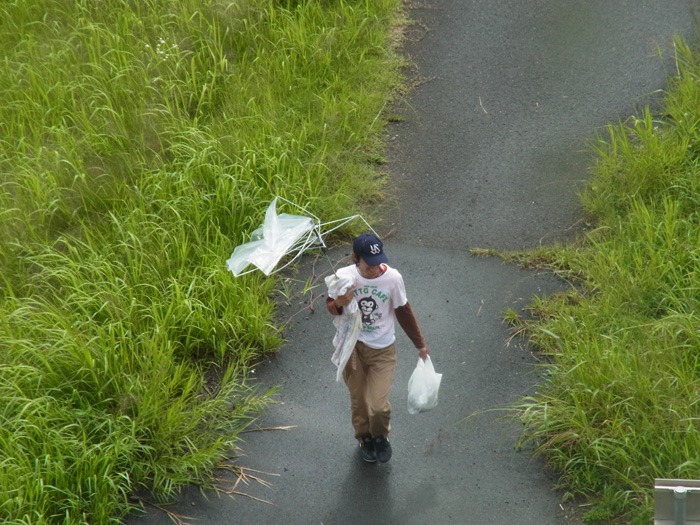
(491, 151)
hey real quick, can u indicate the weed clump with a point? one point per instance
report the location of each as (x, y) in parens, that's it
(621, 402)
(142, 141)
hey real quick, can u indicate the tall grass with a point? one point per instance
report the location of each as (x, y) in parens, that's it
(621, 405)
(139, 143)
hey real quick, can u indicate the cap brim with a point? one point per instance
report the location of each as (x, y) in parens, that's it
(375, 260)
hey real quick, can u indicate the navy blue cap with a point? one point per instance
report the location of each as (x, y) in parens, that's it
(370, 249)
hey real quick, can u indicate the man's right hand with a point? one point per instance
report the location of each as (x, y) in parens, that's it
(344, 300)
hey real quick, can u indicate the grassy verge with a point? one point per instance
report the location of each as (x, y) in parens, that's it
(140, 142)
(621, 405)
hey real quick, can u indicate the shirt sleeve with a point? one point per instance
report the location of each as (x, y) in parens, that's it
(407, 320)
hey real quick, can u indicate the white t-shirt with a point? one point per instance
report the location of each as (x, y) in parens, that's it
(377, 299)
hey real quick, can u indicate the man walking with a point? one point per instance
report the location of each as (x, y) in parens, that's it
(381, 295)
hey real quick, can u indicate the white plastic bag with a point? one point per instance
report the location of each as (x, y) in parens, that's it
(423, 387)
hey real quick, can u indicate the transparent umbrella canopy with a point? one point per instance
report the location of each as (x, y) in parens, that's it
(284, 236)
(287, 236)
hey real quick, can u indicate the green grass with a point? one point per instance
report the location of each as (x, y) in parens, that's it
(621, 402)
(139, 143)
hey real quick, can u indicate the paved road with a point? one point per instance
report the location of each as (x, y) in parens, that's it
(490, 154)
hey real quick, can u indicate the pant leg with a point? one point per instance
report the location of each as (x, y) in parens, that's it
(356, 381)
(381, 365)
(369, 386)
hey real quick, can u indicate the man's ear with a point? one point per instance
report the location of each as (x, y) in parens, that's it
(355, 258)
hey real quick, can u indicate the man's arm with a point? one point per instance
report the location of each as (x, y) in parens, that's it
(333, 307)
(408, 322)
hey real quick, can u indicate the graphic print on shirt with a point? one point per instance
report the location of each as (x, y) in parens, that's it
(373, 302)
(368, 307)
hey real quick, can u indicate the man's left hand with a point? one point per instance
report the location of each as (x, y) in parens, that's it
(423, 352)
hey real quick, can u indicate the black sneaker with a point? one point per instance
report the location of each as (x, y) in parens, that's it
(382, 449)
(367, 450)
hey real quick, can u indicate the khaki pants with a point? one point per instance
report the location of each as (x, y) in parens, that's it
(369, 385)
